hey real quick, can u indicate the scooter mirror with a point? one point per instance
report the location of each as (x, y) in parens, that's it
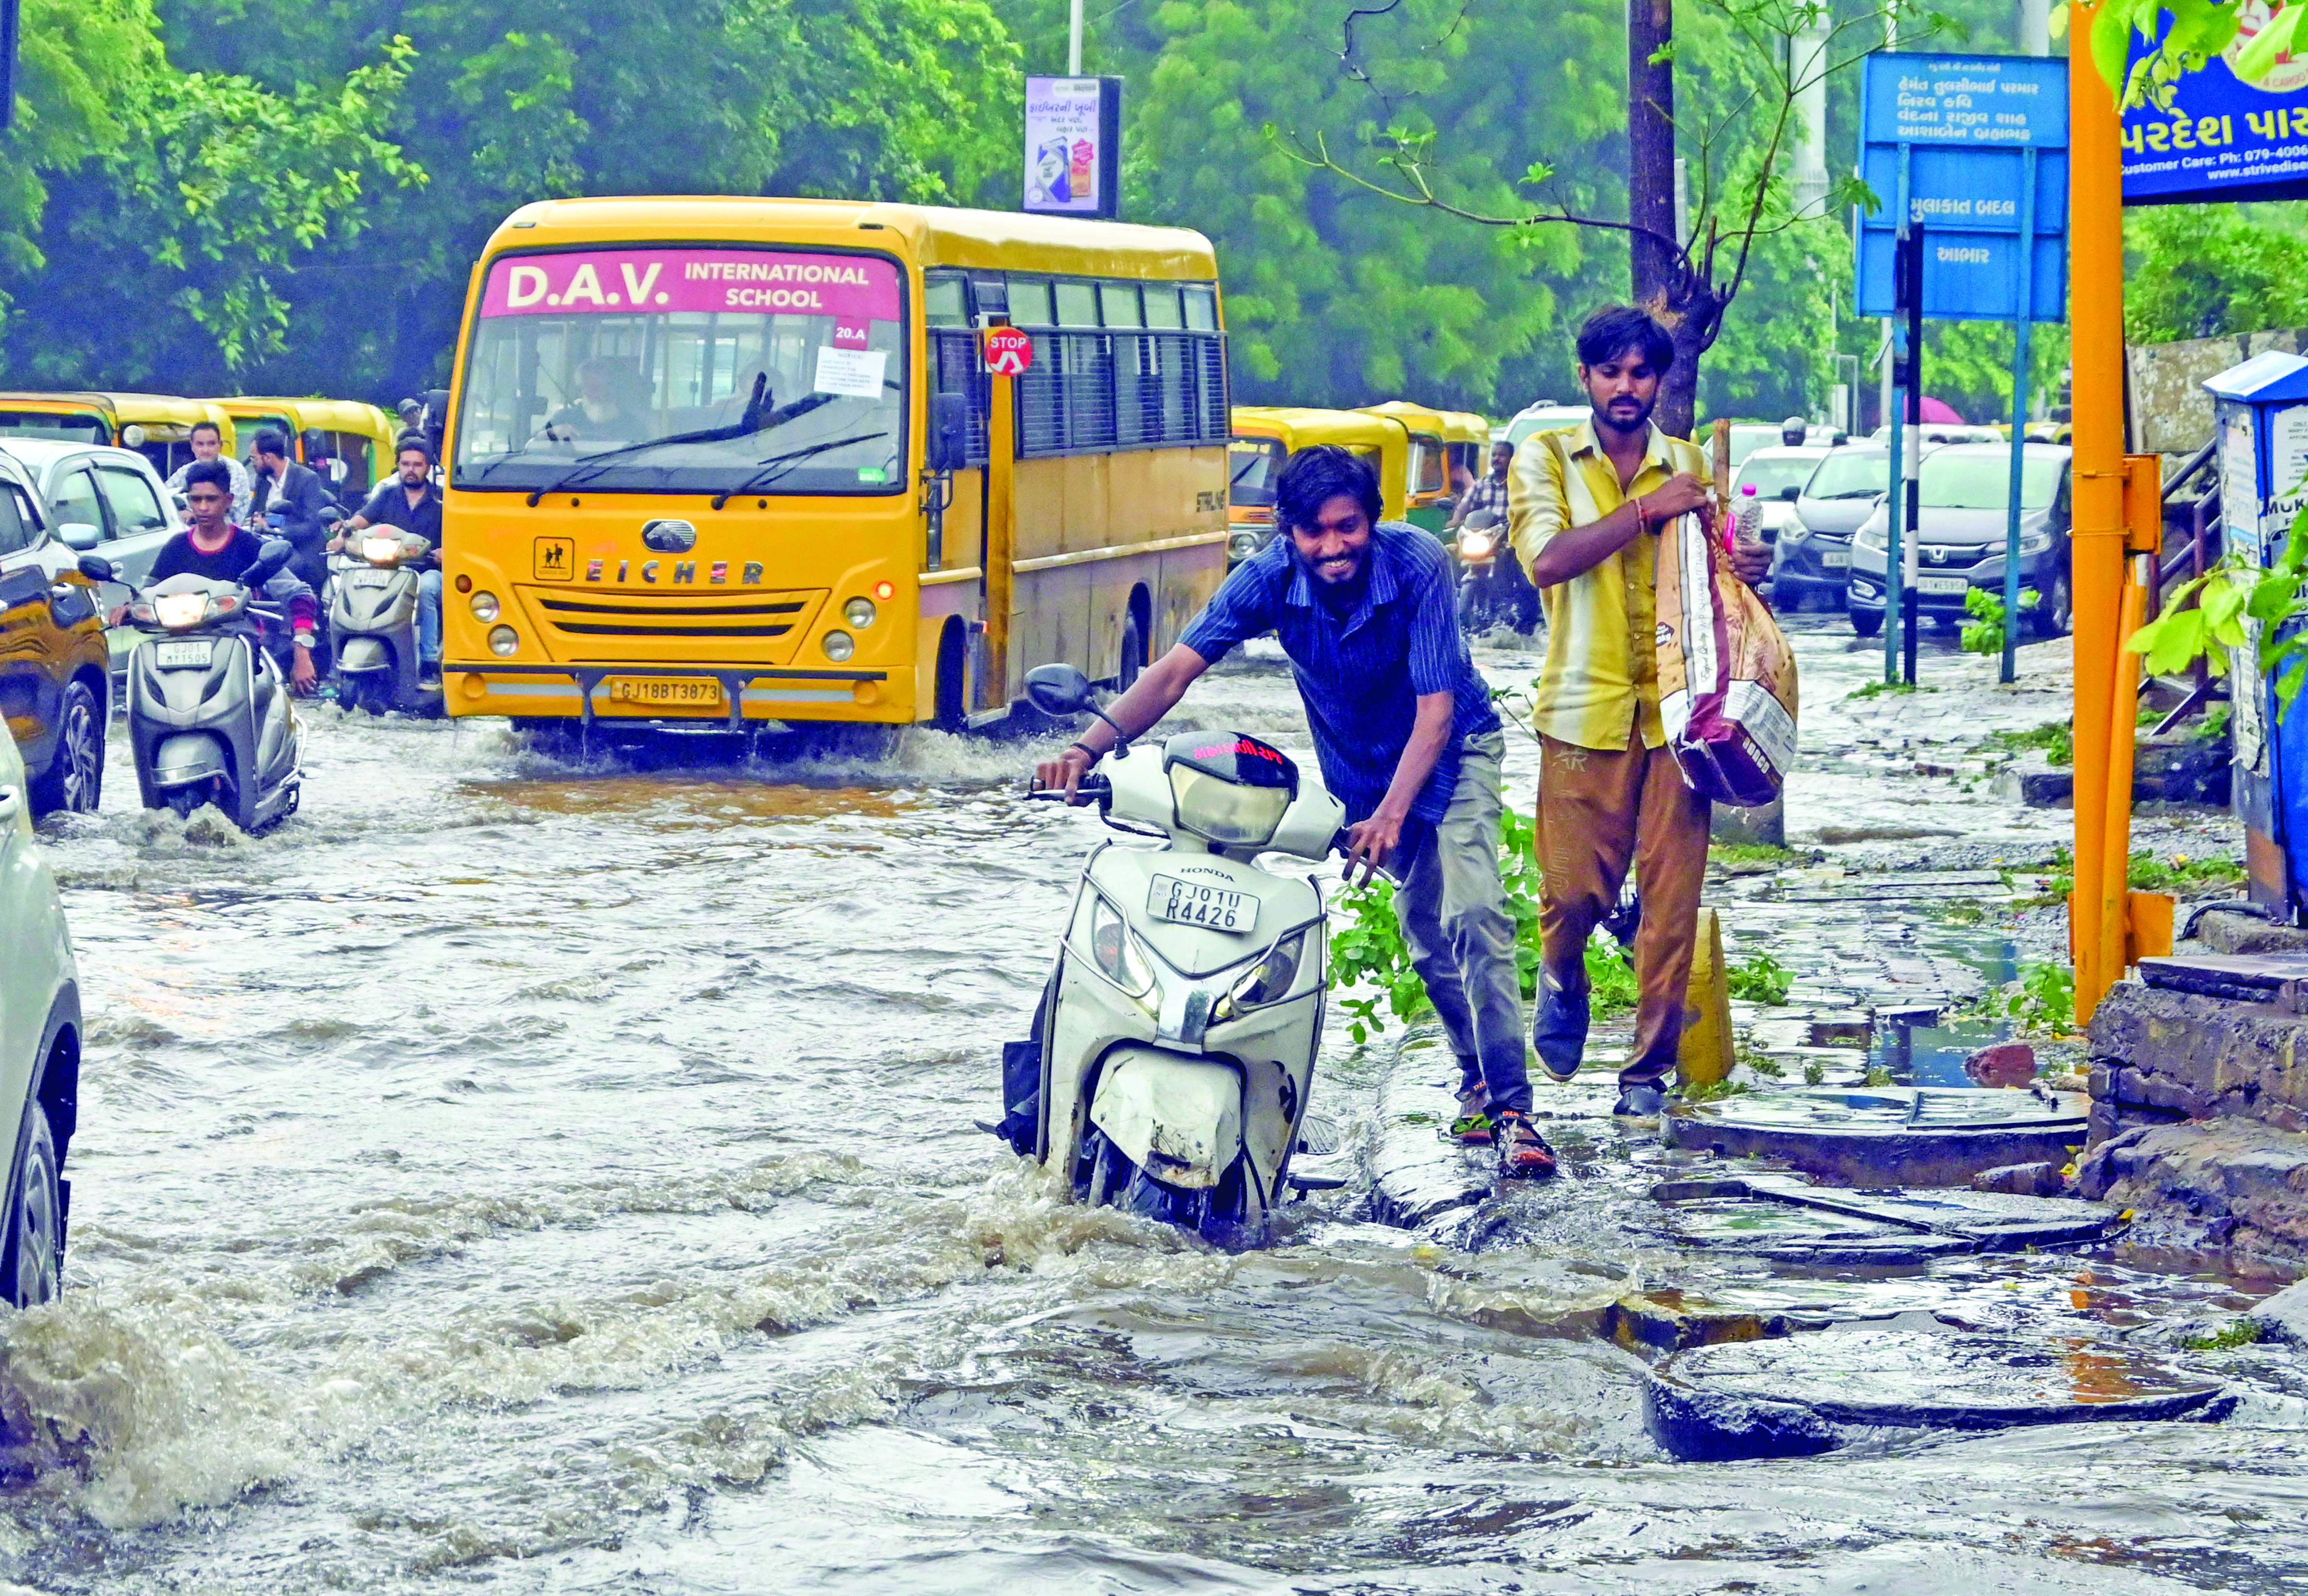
(96, 567)
(273, 558)
(1058, 690)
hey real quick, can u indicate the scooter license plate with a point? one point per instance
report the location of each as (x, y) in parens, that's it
(371, 578)
(1834, 560)
(705, 690)
(179, 656)
(1189, 903)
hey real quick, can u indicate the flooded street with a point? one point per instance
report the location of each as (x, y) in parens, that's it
(513, 1175)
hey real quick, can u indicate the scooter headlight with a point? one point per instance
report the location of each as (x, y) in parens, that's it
(180, 611)
(1267, 980)
(381, 551)
(1475, 546)
(1117, 955)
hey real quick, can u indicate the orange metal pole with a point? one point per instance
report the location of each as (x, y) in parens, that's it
(2115, 870)
(2095, 329)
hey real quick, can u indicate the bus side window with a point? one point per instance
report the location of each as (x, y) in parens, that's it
(945, 299)
(1030, 302)
(1077, 305)
(1202, 308)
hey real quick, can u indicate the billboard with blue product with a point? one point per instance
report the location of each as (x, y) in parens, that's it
(2223, 137)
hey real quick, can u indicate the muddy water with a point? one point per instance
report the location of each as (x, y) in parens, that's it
(559, 1179)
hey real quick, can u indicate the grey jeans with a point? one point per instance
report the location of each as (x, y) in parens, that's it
(1454, 915)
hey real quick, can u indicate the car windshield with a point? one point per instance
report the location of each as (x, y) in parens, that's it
(1966, 481)
(83, 428)
(1850, 474)
(749, 371)
(1552, 420)
(1256, 462)
(1770, 474)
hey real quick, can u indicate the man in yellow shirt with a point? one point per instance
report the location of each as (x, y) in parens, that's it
(1585, 505)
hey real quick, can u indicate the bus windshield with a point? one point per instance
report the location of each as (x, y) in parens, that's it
(686, 371)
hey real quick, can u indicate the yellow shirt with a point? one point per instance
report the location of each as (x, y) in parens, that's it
(1601, 676)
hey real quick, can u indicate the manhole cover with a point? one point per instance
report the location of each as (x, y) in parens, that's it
(1928, 1136)
(1810, 1394)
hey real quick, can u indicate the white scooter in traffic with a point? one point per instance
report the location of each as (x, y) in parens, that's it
(1174, 1048)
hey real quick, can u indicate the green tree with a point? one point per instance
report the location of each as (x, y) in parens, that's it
(2201, 271)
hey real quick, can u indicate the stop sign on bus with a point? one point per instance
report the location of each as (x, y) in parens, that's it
(1008, 351)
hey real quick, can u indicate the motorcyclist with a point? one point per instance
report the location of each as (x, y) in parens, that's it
(295, 501)
(410, 504)
(213, 546)
(1793, 431)
(208, 443)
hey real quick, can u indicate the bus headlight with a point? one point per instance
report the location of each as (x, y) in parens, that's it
(485, 607)
(504, 640)
(859, 613)
(839, 646)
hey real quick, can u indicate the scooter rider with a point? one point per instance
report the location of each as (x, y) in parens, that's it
(1407, 740)
(208, 443)
(411, 504)
(297, 496)
(212, 546)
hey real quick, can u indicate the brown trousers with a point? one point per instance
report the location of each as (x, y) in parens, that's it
(1597, 812)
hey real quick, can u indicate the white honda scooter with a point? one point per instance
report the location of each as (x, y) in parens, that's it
(1174, 1048)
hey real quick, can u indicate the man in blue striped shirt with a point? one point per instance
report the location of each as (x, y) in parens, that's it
(1367, 612)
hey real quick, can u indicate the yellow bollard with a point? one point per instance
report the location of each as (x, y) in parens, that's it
(1704, 1058)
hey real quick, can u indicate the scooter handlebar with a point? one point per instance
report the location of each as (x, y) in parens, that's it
(1091, 790)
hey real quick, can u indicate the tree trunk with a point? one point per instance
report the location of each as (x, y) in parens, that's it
(1662, 284)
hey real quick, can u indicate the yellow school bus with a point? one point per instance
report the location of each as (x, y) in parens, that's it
(1265, 436)
(743, 460)
(359, 436)
(157, 426)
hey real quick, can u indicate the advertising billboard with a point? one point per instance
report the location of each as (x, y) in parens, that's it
(1073, 146)
(2223, 138)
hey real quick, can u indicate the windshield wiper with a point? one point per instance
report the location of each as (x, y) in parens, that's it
(767, 472)
(744, 425)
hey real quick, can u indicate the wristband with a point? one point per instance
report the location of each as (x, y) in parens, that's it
(1086, 749)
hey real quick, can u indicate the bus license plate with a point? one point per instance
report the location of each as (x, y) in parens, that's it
(676, 691)
(1188, 903)
(1834, 559)
(1942, 585)
(179, 656)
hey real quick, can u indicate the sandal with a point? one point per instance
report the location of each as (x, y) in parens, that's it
(1474, 1125)
(1524, 1152)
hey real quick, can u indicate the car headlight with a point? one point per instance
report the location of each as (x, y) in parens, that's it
(504, 640)
(1115, 950)
(1793, 530)
(1267, 980)
(381, 551)
(1474, 546)
(1241, 545)
(859, 613)
(1873, 536)
(178, 611)
(2036, 542)
(485, 607)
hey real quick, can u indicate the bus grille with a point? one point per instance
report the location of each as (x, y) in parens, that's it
(732, 615)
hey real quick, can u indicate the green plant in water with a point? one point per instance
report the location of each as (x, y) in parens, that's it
(2181, 873)
(1984, 633)
(1752, 853)
(2240, 1333)
(1814, 1071)
(1760, 980)
(2041, 1003)
(1884, 689)
(1878, 1074)
(2056, 739)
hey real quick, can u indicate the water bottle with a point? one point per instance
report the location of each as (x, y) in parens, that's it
(1747, 519)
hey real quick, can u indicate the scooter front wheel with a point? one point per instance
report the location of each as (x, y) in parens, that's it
(183, 800)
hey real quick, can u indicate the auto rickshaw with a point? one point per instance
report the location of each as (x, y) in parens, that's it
(353, 440)
(1428, 480)
(1264, 436)
(157, 426)
(1467, 440)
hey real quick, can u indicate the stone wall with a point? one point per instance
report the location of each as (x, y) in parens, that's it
(2200, 1124)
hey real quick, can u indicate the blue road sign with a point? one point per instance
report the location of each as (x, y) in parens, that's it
(2223, 139)
(1952, 144)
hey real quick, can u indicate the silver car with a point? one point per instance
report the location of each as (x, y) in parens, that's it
(39, 1051)
(106, 501)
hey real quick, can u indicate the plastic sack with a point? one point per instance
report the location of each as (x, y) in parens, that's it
(1726, 677)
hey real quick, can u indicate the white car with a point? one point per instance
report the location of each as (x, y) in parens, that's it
(104, 501)
(1546, 416)
(39, 1050)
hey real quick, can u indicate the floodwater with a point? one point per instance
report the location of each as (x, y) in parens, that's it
(516, 1175)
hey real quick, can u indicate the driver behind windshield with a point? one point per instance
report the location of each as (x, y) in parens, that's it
(599, 413)
(212, 546)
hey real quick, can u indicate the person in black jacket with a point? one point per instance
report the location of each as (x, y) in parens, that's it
(293, 500)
